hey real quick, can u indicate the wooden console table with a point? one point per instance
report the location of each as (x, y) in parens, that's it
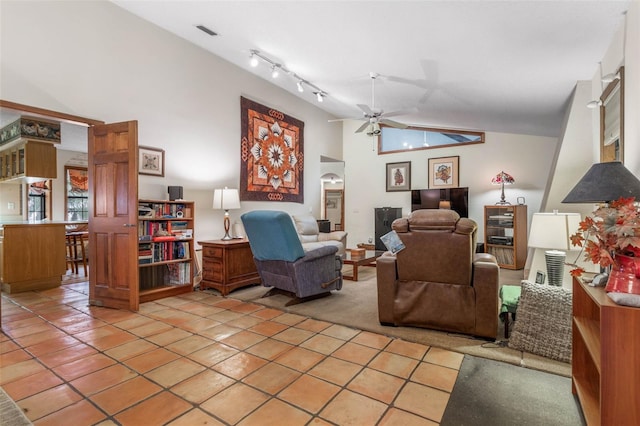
(227, 265)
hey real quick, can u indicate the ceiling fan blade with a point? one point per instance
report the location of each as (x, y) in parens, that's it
(401, 112)
(392, 123)
(365, 109)
(341, 119)
(361, 128)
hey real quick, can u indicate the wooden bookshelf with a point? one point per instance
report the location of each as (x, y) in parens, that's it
(505, 234)
(165, 248)
(606, 349)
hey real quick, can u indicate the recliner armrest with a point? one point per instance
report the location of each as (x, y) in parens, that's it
(318, 253)
(387, 283)
(486, 282)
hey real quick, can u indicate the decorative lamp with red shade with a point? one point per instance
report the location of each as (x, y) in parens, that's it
(503, 179)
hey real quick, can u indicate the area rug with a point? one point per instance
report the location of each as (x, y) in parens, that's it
(487, 392)
(356, 306)
(10, 413)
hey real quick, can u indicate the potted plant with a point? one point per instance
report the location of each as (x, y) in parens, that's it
(610, 237)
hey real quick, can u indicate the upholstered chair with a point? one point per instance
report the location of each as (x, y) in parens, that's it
(283, 263)
(438, 281)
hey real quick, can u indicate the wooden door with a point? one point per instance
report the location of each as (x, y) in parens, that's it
(113, 215)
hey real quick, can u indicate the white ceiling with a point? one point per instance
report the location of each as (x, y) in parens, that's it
(507, 66)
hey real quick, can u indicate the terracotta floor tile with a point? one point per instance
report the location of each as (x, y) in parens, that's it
(349, 408)
(13, 357)
(323, 344)
(113, 340)
(289, 319)
(212, 354)
(44, 403)
(220, 332)
(80, 413)
(398, 417)
(269, 349)
(157, 410)
(83, 366)
(239, 365)
(409, 349)
(340, 332)
(227, 303)
(67, 355)
(111, 315)
(436, 376)
(200, 309)
(200, 324)
(294, 335)
(276, 413)
(32, 384)
(374, 384)
(43, 336)
(70, 319)
(103, 379)
(150, 329)
(335, 370)
(202, 386)
(150, 360)
(300, 359)
(174, 372)
(372, 340)
(190, 344)
(125, 394)
(234, 403)
(8, 346)
(169, 336)
(245, 308)
(271, 378)
(355, 353)
(444, 357)
(226, 316)
(243, 339)
(267, 313)
(268, 328)
(130, 349)
(396, 365)
(244, 322)
(82, 326)
(174, 302)
(423, 401)
(34, 328)
(149, 307)
(299, 394)
(133, 322)
(53, 345)
(19, 370)
(8, 324)
(313, 325)
(195, 417)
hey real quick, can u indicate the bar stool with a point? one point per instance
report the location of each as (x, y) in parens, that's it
(76, 253)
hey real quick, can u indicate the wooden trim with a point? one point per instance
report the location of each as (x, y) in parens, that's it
(608, 153)
(74, 119)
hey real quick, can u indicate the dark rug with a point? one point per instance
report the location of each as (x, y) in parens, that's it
(493, 393)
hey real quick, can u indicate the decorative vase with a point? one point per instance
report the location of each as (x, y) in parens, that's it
(625, 275)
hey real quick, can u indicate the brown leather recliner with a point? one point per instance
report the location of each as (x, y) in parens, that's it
(438, 281)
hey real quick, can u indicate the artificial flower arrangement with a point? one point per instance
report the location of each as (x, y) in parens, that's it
(610, 230)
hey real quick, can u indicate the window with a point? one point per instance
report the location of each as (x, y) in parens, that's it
(76, 193)
(414, 138)
(39, 198)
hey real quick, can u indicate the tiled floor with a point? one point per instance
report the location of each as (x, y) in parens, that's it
(203, 359)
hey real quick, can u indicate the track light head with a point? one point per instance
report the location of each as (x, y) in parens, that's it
(300, 87)
(274, 71)
(610, 77)
(319, 96)
(594, 104)
(254, 59)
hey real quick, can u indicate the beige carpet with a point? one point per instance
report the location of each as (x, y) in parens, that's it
(10, 413)
(356, 306)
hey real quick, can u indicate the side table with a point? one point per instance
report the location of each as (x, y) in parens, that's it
(510, 296)
(227, 265)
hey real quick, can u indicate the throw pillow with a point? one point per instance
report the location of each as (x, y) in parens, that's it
(543, 321)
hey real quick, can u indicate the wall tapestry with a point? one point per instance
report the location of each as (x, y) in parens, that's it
(272, 155)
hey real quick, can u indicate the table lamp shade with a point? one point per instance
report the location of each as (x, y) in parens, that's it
(552, 231)
(502, 179)
(603, 183)
(226, 199)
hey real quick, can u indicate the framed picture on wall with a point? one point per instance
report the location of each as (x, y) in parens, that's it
(443, 172)
(150, 161)
(399, 176)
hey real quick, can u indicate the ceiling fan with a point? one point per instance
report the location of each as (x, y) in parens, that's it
(372, 116)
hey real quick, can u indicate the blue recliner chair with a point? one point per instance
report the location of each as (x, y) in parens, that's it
(283, 264)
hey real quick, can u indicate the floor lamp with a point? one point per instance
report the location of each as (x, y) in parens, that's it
(551, 231)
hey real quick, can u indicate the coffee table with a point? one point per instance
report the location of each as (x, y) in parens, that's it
(368, 259)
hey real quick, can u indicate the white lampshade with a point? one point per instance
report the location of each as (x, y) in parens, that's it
(552, 230)
(226, 199)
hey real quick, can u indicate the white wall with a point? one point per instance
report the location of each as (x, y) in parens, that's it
(96, 60)
(526, 158)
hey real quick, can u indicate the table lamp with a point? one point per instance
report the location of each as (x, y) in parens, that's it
(226, 199)
(552, 231)
(603, 183)
(503, 179)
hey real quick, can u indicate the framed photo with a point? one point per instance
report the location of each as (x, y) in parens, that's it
(443, 172)
(150, 161)
(399, 176)
(540, 277)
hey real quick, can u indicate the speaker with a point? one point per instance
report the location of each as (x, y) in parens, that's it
(175, 193)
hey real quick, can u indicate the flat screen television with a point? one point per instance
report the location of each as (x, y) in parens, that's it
(454, 198)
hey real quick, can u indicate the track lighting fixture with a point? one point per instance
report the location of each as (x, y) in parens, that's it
(594, 104)
(255, 56)
(611, 77)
